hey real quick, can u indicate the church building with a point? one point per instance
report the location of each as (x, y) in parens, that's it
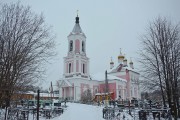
(122, 78)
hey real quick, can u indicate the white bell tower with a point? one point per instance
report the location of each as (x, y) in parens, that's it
(76, 64)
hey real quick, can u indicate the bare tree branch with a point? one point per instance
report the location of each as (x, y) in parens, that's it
(25, 45)
(160, 56)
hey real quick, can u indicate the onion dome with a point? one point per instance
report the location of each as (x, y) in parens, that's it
(111, 61)
(130, 61)
(77, 28)
(120, 57)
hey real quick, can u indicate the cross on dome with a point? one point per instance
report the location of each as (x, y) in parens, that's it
(120, 51)
(121, 55)
(77, 12)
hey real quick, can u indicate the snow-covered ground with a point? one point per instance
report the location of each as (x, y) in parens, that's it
(76, 111)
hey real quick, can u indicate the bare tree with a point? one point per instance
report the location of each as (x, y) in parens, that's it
(86, 96)
(160, 57)
(26, 43)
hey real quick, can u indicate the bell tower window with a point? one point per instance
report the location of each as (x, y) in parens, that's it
(69, 67)
(83, 68)
(71, 46)
(82, 46)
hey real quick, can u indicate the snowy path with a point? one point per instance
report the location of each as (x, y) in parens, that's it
(81, 112)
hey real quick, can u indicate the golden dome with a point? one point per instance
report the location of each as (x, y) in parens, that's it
(120, 56)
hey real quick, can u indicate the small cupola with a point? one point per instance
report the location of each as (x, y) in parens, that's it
(131, 64)
(77, 29)
(120, 57)
(125, 61)
(111, 64)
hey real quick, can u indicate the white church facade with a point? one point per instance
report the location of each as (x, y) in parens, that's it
(122, 78)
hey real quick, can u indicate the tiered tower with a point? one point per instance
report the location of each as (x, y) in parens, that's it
(76, 63)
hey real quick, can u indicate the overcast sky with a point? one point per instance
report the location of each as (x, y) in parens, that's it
(108, 25)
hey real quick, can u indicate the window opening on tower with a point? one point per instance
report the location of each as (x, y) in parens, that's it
(83, 68)
(71, 46)
(83, 46)
(69, 67)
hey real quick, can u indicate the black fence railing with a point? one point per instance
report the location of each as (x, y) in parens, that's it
(122, 112)
(30, 113)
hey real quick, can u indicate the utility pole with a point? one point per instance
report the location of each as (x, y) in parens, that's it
(106, 89)
(38, 104)
(106, 82)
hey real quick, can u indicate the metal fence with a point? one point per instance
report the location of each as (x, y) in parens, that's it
(117, 113)
(31, 113)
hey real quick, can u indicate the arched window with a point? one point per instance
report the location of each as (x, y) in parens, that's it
(83, 46)
(69, 67)
(71, 46)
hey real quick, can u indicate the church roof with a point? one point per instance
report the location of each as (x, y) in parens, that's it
(101, 77)
(118, 68)
(65, 83)
(129, 68)
(77, 27)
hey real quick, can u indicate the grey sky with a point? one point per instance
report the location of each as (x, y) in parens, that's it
(108, 25)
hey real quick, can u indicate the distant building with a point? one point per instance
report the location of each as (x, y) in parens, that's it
(30, 95)
(122, 79)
